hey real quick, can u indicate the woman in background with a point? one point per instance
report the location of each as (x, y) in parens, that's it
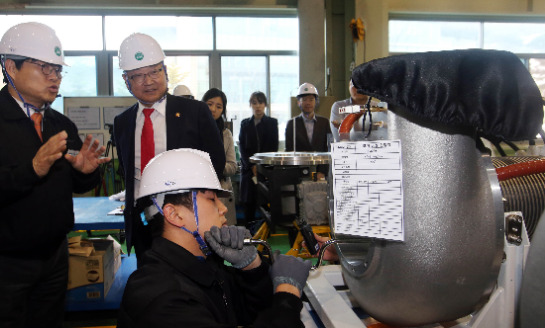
(258, 134)
(217, 102)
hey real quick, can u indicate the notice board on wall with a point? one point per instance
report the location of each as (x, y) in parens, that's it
(95, 115)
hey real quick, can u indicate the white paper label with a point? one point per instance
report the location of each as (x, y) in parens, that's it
(368, 190)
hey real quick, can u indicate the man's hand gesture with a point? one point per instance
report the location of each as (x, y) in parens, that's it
(88, 158)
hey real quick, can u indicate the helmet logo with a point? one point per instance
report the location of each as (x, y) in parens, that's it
(170, 183)
(139, 56)
(306, 89)
(58, 51)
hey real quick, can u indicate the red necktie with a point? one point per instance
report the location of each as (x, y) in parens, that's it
(37, 118)
(147, 144)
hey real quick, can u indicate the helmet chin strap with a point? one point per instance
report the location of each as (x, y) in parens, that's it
(26, 105)
(202, 244)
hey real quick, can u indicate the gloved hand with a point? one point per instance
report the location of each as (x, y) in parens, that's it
(291, 270)
(228, 243)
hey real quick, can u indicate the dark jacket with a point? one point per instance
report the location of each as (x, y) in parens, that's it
(35, 214)
(319, 135)
(255, 139)
(176, 289)
(189, 124)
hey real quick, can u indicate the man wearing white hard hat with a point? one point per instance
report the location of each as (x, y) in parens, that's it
(157, 122)
(311, 130)
(183, 91)
(184, 281)
(37, 178)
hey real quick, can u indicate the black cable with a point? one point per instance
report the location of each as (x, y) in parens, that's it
(368, 110)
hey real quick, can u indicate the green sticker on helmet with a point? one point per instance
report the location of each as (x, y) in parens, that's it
(139, 55)
(306, 89)
(58, 51)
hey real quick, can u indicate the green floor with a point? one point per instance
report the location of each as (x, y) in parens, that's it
(278, 241)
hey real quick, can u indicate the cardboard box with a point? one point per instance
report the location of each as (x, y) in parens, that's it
(90, 277)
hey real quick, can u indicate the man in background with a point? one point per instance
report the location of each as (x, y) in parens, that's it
(183, 91)
(311, 130)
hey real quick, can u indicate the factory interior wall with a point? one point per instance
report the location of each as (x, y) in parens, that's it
(341, 50)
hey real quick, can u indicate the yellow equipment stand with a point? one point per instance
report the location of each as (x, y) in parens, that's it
(262, 233)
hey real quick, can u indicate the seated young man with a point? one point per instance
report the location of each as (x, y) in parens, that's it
(184, 281)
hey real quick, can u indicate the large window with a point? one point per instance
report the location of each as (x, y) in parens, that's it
(87, 35)
(192, 71)
(242, 75)
(417, 36)
(236, 54)
(526, 40)
(172, 33)
(284, 80)
(79, 79)
(251, 33)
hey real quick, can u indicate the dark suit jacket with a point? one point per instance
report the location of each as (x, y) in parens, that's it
(319, 135)
(35, 213)
(249, 144)
(189, 125)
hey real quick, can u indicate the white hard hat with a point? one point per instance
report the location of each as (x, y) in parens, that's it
(139, 50)
(307, 89)
(177, 171)
(182, 90)
(32, 40)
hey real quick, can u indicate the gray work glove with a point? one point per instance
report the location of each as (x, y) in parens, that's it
(291, 270)
(228, 243)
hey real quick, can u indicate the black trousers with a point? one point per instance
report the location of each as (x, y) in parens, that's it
(32, 291)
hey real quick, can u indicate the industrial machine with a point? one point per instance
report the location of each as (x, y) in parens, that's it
(461, 258)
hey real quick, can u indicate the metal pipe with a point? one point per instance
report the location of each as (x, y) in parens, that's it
(263, 243)
(347, 124)
(329, 243)
(520, 169)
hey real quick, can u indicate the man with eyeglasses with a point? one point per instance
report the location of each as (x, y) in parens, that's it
(37, 179)
(156, 123)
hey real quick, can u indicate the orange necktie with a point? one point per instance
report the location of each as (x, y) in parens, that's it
(147, 143)
(37, 118)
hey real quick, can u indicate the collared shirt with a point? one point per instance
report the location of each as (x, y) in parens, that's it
(309, 125)
(30, 110)
(158, 118)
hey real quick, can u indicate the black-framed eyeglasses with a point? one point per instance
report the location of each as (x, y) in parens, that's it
(47, 69)
(140, 78)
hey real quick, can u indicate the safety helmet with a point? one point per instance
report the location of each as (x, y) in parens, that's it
(139, 50)
(32, 40)
(307, 89)
(182, 90)
(177, 171)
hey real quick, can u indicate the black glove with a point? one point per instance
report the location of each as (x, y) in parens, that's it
(291, 270)
(228, 243)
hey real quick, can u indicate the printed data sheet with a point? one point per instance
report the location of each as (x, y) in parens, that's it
(367, 187)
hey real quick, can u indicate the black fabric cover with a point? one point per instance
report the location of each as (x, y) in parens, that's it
(487, 90)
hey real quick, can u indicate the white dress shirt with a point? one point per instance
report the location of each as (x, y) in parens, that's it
(158, 118)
